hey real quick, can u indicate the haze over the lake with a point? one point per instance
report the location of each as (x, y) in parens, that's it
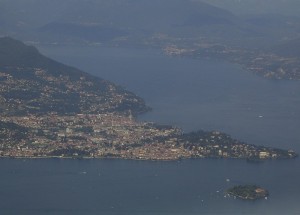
(83, 87)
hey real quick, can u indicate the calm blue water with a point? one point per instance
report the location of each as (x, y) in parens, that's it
(192, 94)
(143, 187)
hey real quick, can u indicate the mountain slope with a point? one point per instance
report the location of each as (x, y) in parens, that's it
(33, 83)
(113, 21)
(285, 7)
(288, 49)
(138, 22)
(127, 13)
(148, 16)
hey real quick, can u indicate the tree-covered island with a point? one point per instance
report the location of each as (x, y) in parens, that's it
(248, 192)
(48, 109)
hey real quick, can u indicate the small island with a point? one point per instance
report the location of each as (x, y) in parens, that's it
(248, 192)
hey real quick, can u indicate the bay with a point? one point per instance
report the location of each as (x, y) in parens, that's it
(192, 94)
(197, 94)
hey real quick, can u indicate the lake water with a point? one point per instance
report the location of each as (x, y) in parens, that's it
(111, 187)
(191, 94)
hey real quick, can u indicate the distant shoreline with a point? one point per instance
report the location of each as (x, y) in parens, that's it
(134, 159)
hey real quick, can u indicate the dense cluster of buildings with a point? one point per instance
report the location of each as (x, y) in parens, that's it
(120, 136)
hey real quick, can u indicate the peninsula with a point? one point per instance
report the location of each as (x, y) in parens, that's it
(48, 109)
(265, 63)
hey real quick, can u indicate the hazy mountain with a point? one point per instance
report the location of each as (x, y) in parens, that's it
(274, 26)
(20, 14)
(143, 17)
(33, 83)
(139, 20)
(285, 7)
(124, 13)
(288, 49)
(116, 18)
(144, 14)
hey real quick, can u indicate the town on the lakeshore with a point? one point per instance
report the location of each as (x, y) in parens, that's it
(118, 136)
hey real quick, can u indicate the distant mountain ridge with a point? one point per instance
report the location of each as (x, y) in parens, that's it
(285, 7)
(115, 18)
(137, 22)
(114, 12)
(99, 21)
(33, 83)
